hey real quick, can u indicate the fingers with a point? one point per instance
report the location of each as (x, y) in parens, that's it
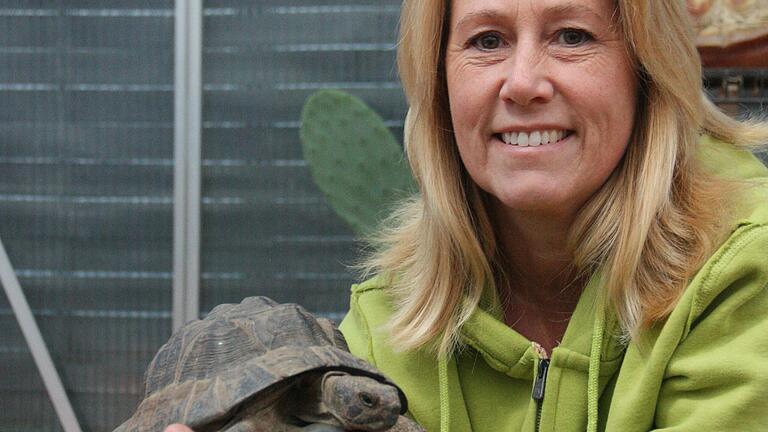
(317, 427)
(311, 428)
(177, 428)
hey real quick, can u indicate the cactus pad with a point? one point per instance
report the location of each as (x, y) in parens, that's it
(354, 159)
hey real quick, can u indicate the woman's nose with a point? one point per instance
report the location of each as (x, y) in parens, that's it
(526, 78)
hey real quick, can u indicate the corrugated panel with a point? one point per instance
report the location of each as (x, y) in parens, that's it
(86, 179)
(23, 400)
(266, 222)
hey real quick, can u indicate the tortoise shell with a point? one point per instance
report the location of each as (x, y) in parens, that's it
(239, 353)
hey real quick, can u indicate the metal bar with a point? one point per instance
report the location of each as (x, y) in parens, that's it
(195, 107)
(36, 344)
(187, 142)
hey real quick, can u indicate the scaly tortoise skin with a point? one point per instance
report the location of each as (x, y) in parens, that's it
(264, 366)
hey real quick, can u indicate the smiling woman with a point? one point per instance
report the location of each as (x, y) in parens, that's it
(587, 247)
(517, 75)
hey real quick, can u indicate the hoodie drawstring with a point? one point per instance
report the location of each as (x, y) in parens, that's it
(593, 378)
(445, 412)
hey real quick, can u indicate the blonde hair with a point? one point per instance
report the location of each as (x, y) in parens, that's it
(647, 229)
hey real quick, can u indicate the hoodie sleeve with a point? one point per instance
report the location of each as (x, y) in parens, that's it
(718, 375)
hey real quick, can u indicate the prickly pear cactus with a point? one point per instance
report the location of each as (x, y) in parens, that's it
(355, 160)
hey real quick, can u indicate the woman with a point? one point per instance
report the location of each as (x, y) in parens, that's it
(608, 273)
(576, 258)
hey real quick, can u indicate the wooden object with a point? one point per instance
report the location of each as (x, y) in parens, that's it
(731, 33)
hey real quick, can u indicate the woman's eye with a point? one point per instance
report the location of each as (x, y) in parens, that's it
(573, 37)
(488, 41)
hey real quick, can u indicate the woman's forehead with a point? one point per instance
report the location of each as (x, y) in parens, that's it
(463, 11)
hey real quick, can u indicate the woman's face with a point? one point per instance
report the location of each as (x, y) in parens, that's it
(542, 97)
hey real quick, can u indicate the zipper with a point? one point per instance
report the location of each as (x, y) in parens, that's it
(540, 383)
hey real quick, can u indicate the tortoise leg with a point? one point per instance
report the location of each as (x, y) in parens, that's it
(249, 425)
(259, 419)
(258, 426)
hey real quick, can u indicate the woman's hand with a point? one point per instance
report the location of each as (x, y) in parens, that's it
(311, 428)
(177, 428)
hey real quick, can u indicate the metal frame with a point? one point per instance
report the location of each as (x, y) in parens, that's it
(36, 343)
(187, 144)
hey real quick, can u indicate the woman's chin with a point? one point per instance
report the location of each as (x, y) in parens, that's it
(541, 202)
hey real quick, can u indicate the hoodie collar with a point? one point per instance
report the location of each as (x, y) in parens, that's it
(596, 352)
(507, 351)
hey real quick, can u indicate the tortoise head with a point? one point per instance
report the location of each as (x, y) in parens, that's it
(359, 402)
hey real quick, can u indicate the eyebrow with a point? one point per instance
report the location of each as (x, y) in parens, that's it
(556, 11)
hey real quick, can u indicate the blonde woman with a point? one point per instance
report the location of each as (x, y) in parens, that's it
(588, 250)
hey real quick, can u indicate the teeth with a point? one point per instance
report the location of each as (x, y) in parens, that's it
(522, 139)
(510, 137)
(533, 139)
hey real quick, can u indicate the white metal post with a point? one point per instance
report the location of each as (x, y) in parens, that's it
(187, 141)
(36, 344)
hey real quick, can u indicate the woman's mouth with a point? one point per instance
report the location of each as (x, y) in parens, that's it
(533, 138)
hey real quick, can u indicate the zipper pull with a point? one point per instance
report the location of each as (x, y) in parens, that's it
(541, 380)
(541, 374)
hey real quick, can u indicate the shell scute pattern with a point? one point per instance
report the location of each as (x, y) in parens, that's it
(235, 369)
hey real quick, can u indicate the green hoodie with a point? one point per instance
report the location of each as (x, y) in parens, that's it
(705, 368)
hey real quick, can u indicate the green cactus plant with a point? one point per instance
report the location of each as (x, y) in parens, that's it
(354, 158)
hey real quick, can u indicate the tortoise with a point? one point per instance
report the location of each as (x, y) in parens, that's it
(264, 366)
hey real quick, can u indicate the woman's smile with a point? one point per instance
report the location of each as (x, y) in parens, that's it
(533, 138)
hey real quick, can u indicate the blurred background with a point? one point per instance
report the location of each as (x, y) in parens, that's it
(87, 164)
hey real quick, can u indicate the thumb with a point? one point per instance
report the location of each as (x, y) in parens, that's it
(177, 428)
